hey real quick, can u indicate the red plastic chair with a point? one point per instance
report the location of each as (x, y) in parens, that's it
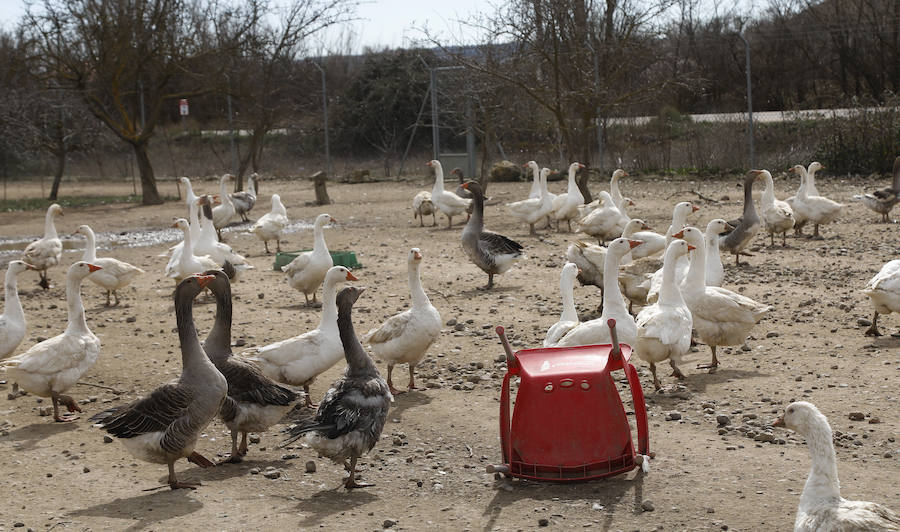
(569, 422)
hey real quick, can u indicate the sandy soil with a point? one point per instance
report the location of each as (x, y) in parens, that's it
(429, 466)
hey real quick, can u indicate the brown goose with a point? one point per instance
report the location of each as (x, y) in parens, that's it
(745, 227)
(352, 414)
(883, 199)
(165, 425)
(490, 251)
(254, 402)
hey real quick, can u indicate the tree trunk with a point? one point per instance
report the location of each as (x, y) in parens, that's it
(322, 198)
(149, 194)
(57, 177)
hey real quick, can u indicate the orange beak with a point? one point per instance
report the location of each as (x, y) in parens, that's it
(204, 280)
(624, 174)
(635, 243)
(822, 165)
(694, 208)
(333, 220)
(94, 267)
(579, 271)
(465, 186)
(428, 164)
(30, 267)
(417, 255)
(646, 227)
(778, 422)
(691, 248)
(791, 170)
(679, 234)
(630, 203)
(351, 277)
(175, 224)
(580, 166)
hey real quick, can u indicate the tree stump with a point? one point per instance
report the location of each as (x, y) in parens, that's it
(319, 180)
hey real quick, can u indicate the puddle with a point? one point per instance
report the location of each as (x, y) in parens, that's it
(11, 248)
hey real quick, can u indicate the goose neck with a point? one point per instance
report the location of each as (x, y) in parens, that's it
(477, 219)
(696, 275)
(12, 306)
(438, 180)
(612, 296)
(278, 208)
(218, 342)
(823, 480)
(319, 245)
(749, 207)
(358, 362)
(90, 246)
(572, 185)
(419, 297)
(328, 321)
(669, 294)
(49, 226)
(191, 352)
(567, 291)
(768, 195)
(77, 322)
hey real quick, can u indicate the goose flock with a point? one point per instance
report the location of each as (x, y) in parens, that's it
(676, 279)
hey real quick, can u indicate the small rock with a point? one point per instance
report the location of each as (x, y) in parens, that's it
(254, 438)
(261, 295)
(451, 322)
(272, 473)
(86, 469)
(596, 506)
(862, 322)
(388, 523)
(459, 327)
(18, 524)
(311, 466)
(874, 421)
(673, 416)
(771, 334)
(746, 347)
(647, 506)
(254, 471)
(723, 419)
(130, 319)
(543, 521)
(289, 456)
(45, 410)
(887, 454)
(240, 342)
(857, 416)
(107, 439)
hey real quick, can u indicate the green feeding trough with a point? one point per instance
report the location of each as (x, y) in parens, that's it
(340, 258)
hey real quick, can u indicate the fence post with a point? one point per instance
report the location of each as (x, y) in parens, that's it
(749, 99)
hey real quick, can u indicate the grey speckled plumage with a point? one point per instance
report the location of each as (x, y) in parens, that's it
(254, 402)
(490, 251)
(245, 200)
(351, 417)
(165, 425)
(745, 227)
(883, 199)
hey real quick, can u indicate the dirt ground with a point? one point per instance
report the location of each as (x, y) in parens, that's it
(429, 465)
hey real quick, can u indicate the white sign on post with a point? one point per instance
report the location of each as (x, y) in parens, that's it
(183, 106)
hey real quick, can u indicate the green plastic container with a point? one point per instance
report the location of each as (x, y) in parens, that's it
(340, 258)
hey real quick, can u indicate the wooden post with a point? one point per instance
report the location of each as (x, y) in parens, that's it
(319, 179)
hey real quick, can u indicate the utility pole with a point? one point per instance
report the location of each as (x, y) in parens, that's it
(749, 99)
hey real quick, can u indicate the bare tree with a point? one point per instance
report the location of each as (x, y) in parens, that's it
(577, 59)
(130, 60)
(264, 72)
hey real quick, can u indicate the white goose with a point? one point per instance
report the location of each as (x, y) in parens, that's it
(208, 244)
(635, 278)
(270, 225)
(45, 252)
(448, 202)
(188, 263)
(799, 217)
(114, 274)
(532, 210)
(299, 360)
(12, 321)
(596, 331)
(565, 206)
(884, 291)
(821, 506)
(224, 212)
(307, 271)
(776, 214)
(817, 209)
(695, 238)
(405, 337)
(653, 243)
(721, 317)
(174, 252)
(423, 206)
(53, 366)
(606, 222)
(664, 328)
(569, 317)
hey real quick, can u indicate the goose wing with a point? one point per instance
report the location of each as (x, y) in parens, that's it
(247, 383)
(165, 407)
(497, 244)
